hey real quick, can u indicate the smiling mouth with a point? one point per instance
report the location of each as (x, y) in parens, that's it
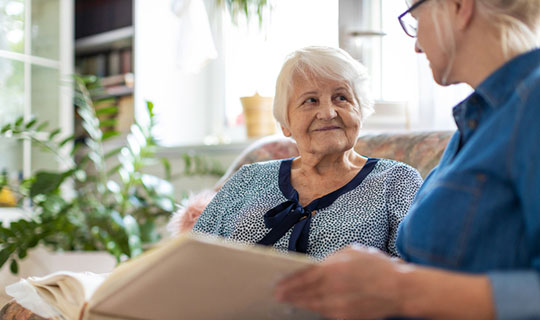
(328, 128)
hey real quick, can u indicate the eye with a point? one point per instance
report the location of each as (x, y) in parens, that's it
(310, 100)
(341, 98)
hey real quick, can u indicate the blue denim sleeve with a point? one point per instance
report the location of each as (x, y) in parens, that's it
(516, 294)
(524, 159)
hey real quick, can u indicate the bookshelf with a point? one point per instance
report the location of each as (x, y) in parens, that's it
(104, 35)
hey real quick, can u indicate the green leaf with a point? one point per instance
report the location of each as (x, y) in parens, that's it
(134, 145)
(31, 123)
(157, 185)
(4, 254)
(22, 253)
(66, 140)
(54, 133)
(134, 236)
(167, 167)
(110, 134)
(46, 182)
(164, 203)
(107, 123)
(19, 121)
(6, 233)
(149, 232)
(187, 163)
(107, 110)
(150, 108)
(42, 126)
(109, 100)
(113, 187)
(92, 130)
(14, 266)
(6, 128)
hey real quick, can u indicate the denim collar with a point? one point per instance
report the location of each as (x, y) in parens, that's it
(493, 92)
(497, 88)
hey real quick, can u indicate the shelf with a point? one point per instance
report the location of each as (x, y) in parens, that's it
(117, 38)
(115, 92)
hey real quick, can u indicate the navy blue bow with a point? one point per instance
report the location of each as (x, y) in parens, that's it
(284, 216)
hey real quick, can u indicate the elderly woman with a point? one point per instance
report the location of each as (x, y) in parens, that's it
(329, 196)
(472, 236)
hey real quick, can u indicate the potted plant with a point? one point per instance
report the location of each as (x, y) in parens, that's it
(248, 8)
(91, 206)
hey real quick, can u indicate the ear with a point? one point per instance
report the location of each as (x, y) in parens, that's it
(286, 132)
(464, 11)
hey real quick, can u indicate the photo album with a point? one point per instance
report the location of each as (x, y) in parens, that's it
(188, 277)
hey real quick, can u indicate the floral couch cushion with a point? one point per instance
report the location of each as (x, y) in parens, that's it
(421, 150)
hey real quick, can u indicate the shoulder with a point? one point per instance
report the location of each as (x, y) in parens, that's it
(396, 170)
(258, 168)
(255, 171)
(528, 111)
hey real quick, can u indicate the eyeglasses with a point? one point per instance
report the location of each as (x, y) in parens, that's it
(408, 22)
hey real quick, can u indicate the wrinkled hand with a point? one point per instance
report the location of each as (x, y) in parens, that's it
(354, 283)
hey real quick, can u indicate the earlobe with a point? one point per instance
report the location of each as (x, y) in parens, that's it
(286, 132)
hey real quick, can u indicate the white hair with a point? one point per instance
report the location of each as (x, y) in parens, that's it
(324, 63)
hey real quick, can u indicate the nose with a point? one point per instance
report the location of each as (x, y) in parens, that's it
(327, 111)
(417, 48)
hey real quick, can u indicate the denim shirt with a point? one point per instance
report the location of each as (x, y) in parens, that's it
(478, 211)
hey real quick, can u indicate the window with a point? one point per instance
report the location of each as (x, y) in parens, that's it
(35, 51)
(406, 76)
(195, 107)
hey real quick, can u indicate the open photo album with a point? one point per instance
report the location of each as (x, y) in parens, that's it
(188, 277)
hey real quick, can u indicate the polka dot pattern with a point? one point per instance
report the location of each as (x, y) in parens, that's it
(368, 214)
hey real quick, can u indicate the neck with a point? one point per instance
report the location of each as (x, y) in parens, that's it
(479, 54)
(315, 164)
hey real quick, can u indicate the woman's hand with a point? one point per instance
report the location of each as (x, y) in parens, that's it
(354, 283)
(363, 283)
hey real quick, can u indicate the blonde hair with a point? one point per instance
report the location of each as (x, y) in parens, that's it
(517, 22)
(325, 63)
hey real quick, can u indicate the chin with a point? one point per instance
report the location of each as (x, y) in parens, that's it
(332, 147)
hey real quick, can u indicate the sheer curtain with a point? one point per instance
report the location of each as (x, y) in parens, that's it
(194, 108)
(407, 77)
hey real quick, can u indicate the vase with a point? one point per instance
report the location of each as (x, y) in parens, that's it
(258, 116)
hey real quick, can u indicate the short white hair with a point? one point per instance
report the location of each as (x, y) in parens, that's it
(322, 63)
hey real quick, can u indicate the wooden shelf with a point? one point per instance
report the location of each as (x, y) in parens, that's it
(117, 38)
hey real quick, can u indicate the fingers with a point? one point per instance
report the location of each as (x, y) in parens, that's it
(348, 284)
(299, 283)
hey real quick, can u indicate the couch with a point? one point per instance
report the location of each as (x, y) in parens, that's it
(421, 150)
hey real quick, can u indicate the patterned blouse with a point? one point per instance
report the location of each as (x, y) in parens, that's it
(367, 210)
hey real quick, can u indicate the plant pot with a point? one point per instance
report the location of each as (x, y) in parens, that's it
(258, 116)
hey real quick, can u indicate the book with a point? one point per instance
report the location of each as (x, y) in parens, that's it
(188, 277)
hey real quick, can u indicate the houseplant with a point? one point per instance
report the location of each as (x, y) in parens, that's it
(91, 205)
(248, 8)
